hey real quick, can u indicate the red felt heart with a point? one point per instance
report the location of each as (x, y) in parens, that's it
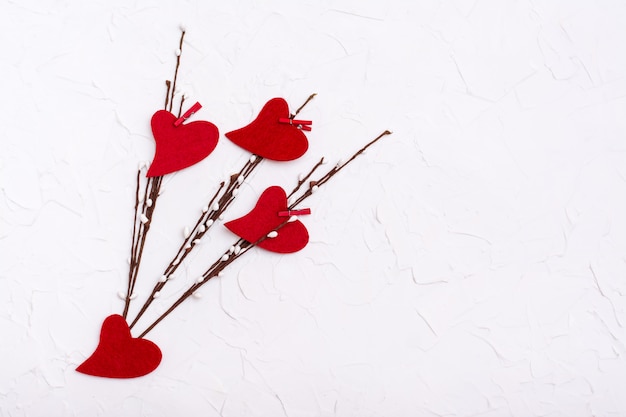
(269, 138)
(119, 355)
(179, 147)
(264, 218)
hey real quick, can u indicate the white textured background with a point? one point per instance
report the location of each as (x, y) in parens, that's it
(472, 264)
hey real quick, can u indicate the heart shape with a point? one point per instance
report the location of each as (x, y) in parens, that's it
(264, 218)
(179, 147)
(119, 355)
(267, 137)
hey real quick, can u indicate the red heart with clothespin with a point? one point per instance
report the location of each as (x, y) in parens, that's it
(180, 145)
(273, 222)
(273, 134)
(119, 355)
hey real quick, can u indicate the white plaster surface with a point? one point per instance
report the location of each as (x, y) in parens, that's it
(471, 264)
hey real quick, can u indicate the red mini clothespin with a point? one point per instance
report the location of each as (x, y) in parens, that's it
(300, 124)
(188, 114)
(289, 213)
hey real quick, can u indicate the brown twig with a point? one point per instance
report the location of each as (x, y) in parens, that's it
(218, 204)
(233, 253)
(314, 185)
(179, 54)
(311, 97)
(241, 246)
(302, 180)
(141, 226)
(180, 108)
(143, 215)
(168, 83)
